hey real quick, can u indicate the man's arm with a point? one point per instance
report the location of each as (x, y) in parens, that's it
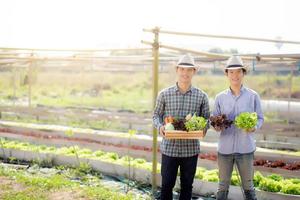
(258, 110)
(217, 112)
(158, 113)
(205, 110)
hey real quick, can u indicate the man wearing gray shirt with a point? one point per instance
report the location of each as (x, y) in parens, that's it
(178, 101)
(236, 145)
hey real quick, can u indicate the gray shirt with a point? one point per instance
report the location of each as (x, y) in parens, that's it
(234, 140)
(171, 102)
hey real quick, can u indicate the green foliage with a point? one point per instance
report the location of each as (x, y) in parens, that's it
(195, 123)
(99, 153)
(291, 189)
(211, 175)
(295, 181)
(132, 132)
(275, 177)
(31, 193)
(257, 178)
(111, 155)
(101, 193)
(272, 183)
(269, 185)
(48, 183)
(69, 132)
(246, 120)
(83, 169)
(37, 187)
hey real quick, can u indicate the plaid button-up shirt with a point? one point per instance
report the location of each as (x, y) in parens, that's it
(171, 102)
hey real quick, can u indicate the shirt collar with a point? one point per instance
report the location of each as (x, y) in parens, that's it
(241, 90)
(188, 91)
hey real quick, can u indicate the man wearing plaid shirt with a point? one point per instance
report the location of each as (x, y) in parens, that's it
(178, 101)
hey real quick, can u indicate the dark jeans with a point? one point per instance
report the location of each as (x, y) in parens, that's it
(169, 169)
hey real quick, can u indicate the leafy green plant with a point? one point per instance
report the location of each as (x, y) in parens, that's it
(37, 186)
(269, 185)
(83, 169)
(195, 123)
(272, 183)
(246, 120)
(12, 160)
(2, 146)
(275, 177)
(291, 189)
(257, 178)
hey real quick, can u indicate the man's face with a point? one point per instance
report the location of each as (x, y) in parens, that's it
(235, 76)
(185, 74)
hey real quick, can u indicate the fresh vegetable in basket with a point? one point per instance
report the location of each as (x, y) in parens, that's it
(169, 126)
(195, 123)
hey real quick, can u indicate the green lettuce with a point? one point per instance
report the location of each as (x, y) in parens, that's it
(246, 120)
(195, 123)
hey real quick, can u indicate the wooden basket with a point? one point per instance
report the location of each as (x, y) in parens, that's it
(184, 134)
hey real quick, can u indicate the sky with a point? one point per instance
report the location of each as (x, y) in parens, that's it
(119, 24)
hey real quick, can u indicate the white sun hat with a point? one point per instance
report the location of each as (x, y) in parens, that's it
(235, 62)
(186, 61)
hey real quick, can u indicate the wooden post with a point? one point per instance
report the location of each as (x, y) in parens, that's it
(155, 51)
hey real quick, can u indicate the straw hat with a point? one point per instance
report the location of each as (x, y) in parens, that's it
(235, 62)
(186, 61)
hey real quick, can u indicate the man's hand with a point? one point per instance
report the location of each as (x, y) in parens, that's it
(162, 131)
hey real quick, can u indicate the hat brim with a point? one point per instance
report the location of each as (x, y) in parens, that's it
(188, 66)
(236, 67)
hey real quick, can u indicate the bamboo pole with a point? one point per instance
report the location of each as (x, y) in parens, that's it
(155, 49)
(221, 57)
(225, 37)
(267, 57)
(72, 50)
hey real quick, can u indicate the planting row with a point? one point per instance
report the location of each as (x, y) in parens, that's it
(138, 145)
(272, 183)
(51, 131)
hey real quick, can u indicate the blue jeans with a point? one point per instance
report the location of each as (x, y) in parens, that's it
(245, 167)
(169, 169)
